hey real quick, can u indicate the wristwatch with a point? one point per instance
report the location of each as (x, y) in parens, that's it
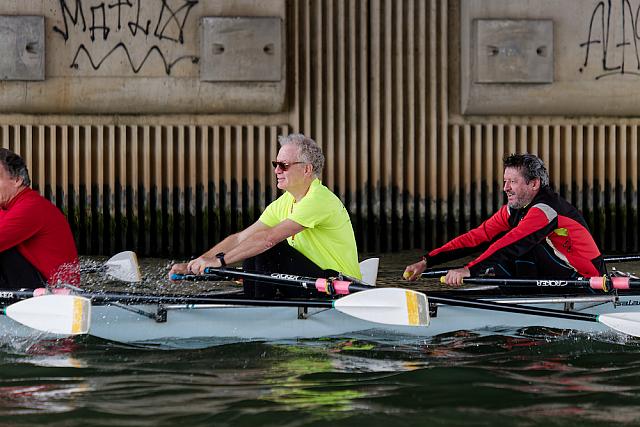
(220, 256)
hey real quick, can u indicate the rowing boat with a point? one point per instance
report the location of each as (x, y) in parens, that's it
(224, 323)
(356, 309)
(236, 323)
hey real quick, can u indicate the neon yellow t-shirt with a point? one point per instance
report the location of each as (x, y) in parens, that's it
(328, 238)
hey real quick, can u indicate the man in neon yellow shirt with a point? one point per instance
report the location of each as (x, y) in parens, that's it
(306, 231)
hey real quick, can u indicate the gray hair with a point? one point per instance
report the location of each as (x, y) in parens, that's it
(15, 166)
(530, 166)
(309, 150)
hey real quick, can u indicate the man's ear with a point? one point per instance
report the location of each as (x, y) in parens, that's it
(536, 183)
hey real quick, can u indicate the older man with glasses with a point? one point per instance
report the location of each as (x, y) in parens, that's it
(306, 231)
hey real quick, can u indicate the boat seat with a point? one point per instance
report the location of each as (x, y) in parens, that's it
(369, 270)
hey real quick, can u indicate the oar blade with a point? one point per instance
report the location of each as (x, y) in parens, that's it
(390, 306)
(124, 266)
(628, 323)
(56, 314)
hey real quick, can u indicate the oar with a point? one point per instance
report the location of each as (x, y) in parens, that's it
(331, 286)
(122, 266)
(56, 314)
(621, 258)
(393, 306)
(69, 314)
(601, 283)
(628, 323)
(431, 273)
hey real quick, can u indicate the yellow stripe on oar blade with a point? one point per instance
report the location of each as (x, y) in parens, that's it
(81, 316)
(417, 308)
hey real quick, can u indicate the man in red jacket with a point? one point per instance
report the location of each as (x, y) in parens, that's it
(536, 234)
(36, 244)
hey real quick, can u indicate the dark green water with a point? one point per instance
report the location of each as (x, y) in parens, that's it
(532, 377)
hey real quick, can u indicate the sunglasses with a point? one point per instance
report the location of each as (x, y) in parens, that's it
(284, 166)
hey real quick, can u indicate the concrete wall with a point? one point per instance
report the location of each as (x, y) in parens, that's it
(141, 152)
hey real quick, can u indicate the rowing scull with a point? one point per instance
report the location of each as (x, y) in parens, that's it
(223, 323)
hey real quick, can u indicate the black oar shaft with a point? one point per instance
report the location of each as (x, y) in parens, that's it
(548, 283)
(437, 273)
(9, 296)
(622, 258)
(132, 298)
(598, 283)
(512, 308)
(332, 286)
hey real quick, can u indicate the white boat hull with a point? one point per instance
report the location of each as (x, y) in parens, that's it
(241, 323)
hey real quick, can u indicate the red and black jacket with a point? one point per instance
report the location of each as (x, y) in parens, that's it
(513, 232)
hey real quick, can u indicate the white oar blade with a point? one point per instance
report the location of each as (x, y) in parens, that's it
(629, 323)
(390, 306)
(124, 266)
(56, 314)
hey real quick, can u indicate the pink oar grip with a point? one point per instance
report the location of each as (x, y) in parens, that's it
(341, 287)
(599, 283)
(620, 283)
(322, 286)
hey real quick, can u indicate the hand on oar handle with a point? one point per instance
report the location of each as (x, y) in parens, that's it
(178, 270)
(455, 277)
(414, 271)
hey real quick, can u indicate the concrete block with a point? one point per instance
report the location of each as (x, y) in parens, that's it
(22, 48)
(237, 49)
(514, 50)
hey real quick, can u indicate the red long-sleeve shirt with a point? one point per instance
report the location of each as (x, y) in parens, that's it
(513, 232)
(41, 234)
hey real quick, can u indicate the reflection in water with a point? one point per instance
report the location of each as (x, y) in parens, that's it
(45, 398)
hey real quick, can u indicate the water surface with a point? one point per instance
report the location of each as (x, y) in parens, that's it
(528, 377)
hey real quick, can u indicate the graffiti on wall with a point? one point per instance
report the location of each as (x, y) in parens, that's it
(100, 31)
(612, 42)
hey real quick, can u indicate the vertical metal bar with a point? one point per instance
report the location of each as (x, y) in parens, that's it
(179, 199)
(327, 102)
(353, 109)
(431, 131)
(132, 157)
(364, 136)
(492, 191)
(148, 209)
(475, 174)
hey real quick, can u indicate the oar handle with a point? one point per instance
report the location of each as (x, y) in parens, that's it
(434, 273)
